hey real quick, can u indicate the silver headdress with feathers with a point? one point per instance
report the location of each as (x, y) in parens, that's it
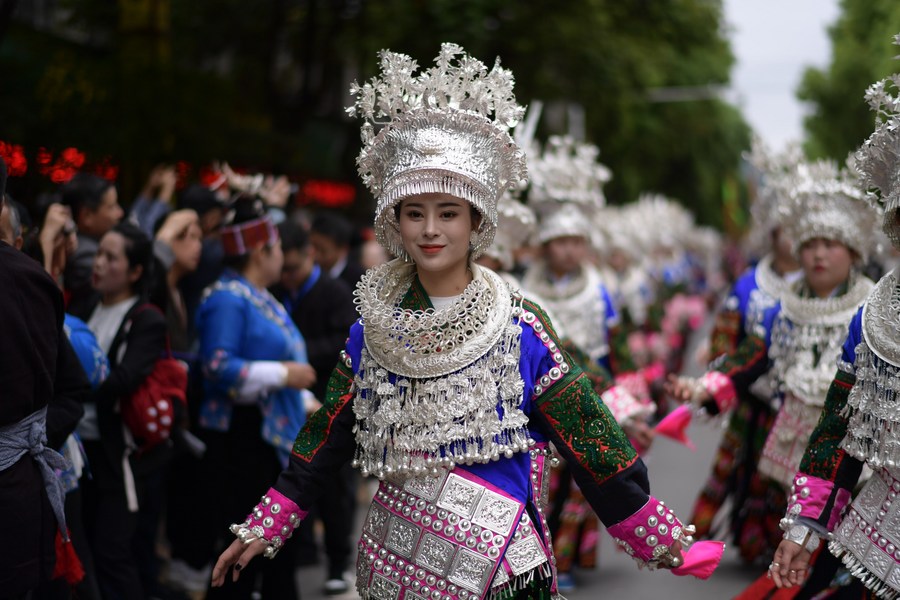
(878, 160)
(566, 187)
(443, 130)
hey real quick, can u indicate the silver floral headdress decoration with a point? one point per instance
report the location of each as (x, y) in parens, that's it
(566, 187)
(443, 130)
(826, 201)
(516, 224)
(652, 210)
(878, 160)
(776, 173)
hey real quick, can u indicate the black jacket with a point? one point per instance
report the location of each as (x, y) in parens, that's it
(144, 331)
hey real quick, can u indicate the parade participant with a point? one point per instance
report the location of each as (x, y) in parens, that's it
(755, 504)
(619, 239)
(859, 424)
(566, 191)
(255, 364)
(516, 224)
(831, 228)
(451, 384)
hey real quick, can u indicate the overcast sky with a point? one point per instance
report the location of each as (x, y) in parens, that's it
(774, 41)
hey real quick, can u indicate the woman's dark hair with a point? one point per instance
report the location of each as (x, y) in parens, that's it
(245, 208)
(84, 191)
(139, 253)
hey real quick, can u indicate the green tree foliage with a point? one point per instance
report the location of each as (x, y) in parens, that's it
(861, 54)
(264, 82)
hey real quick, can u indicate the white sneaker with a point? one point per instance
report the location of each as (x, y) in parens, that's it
(334, 587)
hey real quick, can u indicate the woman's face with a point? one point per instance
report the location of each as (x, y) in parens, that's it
(436, 230)
(187, 247)
(565, 254)
(826, 265)
(112, 274)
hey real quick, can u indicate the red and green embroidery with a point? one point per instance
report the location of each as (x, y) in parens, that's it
(586, 426)
(416, 298)
(748, 353)
(725, 333)
(315, 432)
(823, 454)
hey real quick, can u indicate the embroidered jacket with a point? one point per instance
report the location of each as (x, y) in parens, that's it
(238, 324)
(560, 405)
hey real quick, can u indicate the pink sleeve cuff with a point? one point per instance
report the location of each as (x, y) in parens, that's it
(272, 521)
(809, 498)
(721, 389)
(648, 533)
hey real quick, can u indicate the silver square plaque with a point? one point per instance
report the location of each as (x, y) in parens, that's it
(525, 555)
(383, 588)
(435, 554)
(496, 513)
(376, 521)
(460, 495)
(402, 537)
(470, 571)
(426, 487)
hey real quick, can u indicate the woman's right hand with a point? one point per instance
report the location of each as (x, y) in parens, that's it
(789, 566)
(236, 557)
(300, 376)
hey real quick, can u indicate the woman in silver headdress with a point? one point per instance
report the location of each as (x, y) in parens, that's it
(799, 338)
(861, 421)
(452, 384)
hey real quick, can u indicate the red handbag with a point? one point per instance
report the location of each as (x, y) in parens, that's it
(150, 412)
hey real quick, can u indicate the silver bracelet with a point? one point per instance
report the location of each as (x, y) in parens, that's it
(803, 536)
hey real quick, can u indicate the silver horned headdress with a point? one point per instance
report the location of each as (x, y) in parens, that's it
(443, 130)
(878, 160)
(776, 173)
(516, 225)
(566, 187)
(827, 202)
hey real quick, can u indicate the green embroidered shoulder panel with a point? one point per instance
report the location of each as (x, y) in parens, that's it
(725, 333)
(315, 432)
(748, 353)
(586, 427)
(824, 454)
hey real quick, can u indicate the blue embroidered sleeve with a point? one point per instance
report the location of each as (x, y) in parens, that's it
(854, 338)
(221, 340)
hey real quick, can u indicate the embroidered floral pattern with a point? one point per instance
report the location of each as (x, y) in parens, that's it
(824, 454)
(587, 427)
(315, 432)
